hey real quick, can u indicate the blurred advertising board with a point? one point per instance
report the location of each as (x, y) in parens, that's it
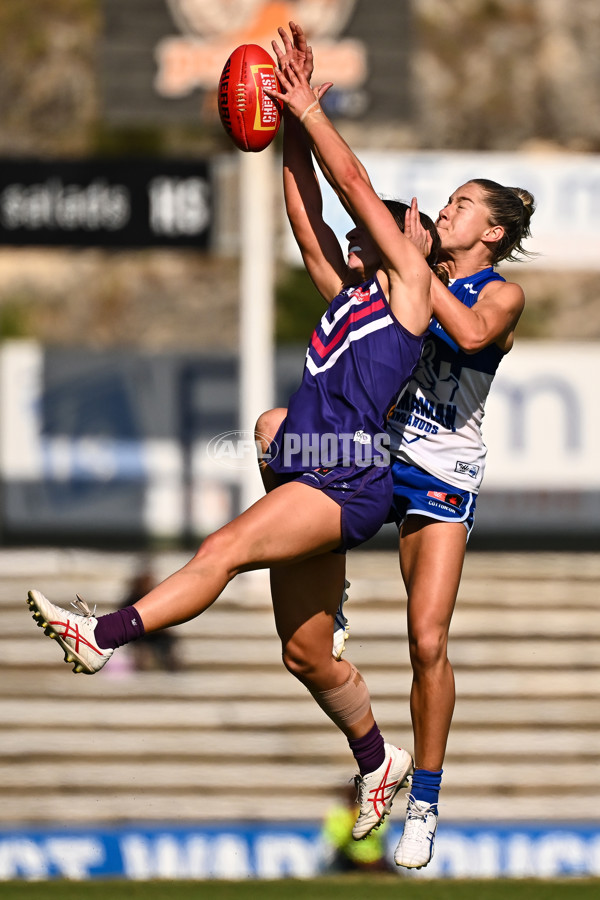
(132, 446)
(279, 850)
(106, 203)
(566, 186)
(170, 202)
(174, 51)
(542, 428)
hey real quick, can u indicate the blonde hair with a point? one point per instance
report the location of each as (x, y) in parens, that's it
(512, 208)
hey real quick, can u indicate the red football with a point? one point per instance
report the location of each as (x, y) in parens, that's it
(249, 116)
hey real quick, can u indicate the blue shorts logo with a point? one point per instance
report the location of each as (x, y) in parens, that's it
(455, 500)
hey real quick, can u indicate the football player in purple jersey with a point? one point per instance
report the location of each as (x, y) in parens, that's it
(439, 459)
(333, 483)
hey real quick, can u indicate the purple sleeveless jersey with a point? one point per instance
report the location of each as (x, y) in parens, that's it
(358, 360)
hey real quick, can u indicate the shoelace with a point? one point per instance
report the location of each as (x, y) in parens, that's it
(415, 812)
(359, 785)
(361, 793)
(82, 607)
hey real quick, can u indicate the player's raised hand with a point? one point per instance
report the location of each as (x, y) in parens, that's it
(296, 93)
(414, 230)
(295, 49)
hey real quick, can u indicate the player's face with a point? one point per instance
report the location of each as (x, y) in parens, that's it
(363, 255)
(464, 221)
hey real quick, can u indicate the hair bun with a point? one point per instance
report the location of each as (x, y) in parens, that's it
(528, 202)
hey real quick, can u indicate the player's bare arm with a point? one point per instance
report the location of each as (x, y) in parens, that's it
(492, 320)
(408, 273)
(296, 49)
(320, 249)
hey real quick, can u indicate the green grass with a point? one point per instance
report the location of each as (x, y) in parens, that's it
(349, 887)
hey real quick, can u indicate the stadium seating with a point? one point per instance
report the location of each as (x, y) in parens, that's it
(232, 736)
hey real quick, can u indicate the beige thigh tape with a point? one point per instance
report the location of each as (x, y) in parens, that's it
(347, 704)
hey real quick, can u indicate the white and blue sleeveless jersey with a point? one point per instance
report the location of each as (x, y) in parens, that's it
(357, 361)
(436, 423)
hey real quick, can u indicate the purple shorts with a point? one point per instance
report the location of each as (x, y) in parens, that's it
(363, 493)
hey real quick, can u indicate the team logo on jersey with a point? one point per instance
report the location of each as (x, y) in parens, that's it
(469, 469)
(312, 475)
(455, 500)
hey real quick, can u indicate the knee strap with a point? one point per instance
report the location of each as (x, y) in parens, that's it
(348, 703)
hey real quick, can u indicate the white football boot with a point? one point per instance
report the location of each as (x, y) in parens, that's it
(73, 631)
(376, 790)
(415, 847)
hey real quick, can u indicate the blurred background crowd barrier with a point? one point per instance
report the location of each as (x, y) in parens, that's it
(103, 446)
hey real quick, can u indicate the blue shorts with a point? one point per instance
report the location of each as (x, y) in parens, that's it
(363, 493)
(416, 492)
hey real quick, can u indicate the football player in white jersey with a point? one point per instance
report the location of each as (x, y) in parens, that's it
(440, 457)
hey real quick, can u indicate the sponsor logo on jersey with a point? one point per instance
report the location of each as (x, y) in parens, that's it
(469, 469)
(417, 411)
(312, 475)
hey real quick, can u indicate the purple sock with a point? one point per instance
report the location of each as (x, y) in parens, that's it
(118, 628)
(368, 751)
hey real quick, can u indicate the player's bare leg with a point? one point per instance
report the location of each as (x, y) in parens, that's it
(305, 599)
(431, 557)
(266, 428)
(431, 560)
(263, 536)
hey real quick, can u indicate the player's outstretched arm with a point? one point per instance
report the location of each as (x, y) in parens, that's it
(321, 252)
(294, 49)
(408, 273)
